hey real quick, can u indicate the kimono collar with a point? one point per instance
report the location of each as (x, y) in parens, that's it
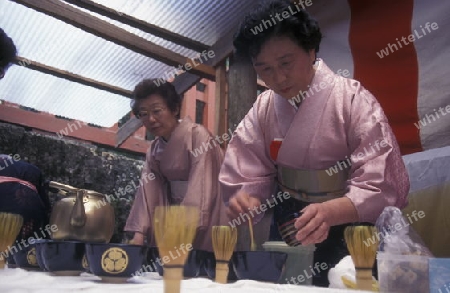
(317, 66)
(285, 111)
(322, 71)
(160, 145)
(180, 129)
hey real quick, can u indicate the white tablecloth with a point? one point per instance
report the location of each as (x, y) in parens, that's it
(21, 281)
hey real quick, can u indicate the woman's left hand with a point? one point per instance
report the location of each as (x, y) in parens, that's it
(313, 225)
(317, 218)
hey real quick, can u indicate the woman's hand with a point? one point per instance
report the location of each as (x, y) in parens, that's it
(241, 204)
(312, 225)
(138, 239)
(315, 222)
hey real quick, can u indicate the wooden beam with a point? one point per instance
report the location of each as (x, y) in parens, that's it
(107, 31)
(222, 49)
(75, 129)
(220, 124)
(71, 76)
(241, 90)
(140, 24)
(127, 129)
(242, 87)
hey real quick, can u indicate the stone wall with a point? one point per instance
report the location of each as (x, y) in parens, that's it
(80, 164)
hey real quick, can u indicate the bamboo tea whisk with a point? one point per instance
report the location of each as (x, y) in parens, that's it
(363, 250)
(10, 225)
(174, 226)
(224, 240)
(252, 237)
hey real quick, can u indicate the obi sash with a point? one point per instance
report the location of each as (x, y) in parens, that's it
(312, 186)
(5, 179)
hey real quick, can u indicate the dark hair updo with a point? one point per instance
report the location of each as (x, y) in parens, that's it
(8, 50)
(261, 24)
(149, 87)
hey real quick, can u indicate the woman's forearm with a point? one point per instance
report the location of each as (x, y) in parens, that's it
(340, 211)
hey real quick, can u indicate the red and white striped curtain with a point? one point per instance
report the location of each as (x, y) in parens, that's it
(400, 51)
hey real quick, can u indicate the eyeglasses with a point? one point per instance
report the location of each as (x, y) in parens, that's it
(145, 114)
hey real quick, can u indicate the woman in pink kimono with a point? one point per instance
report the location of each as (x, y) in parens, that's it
(174, 172)
(315, 136)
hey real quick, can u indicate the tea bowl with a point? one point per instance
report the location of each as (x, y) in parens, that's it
(64, 257)
(266, 266)
(115, 262)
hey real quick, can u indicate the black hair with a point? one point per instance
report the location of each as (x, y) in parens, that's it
(261, 24)
(149, 87)
(8, 51)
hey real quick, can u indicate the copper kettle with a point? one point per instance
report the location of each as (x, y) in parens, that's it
(82, 215)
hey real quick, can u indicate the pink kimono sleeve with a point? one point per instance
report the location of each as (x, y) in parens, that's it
(378, 176)
(203, 186)
(146, 198)
(138, 218)
(247, 165)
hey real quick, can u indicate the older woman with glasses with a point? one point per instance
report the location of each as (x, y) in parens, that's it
(179, 175)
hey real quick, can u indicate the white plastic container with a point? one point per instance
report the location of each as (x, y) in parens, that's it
(299, 268)
(402, 273)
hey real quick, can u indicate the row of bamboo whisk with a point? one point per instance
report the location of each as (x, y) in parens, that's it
(176, 225)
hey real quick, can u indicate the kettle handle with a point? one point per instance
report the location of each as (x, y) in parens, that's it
(60, 186)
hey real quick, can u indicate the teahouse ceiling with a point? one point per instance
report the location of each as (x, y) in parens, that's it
(85, 70)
